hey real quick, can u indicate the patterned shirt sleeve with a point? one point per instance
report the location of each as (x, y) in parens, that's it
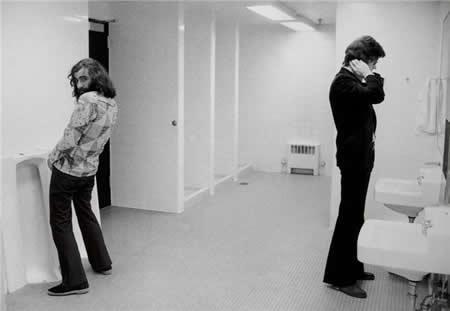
(84, 113)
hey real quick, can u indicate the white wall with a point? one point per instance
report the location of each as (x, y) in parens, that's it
(197, 99)
(285, 77)
(100, 10)
(445, 45)
(41, 42)
(225, 64)
(409, 34)
(36, 98)
(444, 70)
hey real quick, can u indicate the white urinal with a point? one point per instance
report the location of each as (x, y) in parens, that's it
(29, 253)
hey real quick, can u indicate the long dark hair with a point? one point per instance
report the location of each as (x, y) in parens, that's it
(364, 48)
(100, 80)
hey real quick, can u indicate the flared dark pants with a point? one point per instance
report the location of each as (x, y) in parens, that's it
(342, 267)
(65, 189)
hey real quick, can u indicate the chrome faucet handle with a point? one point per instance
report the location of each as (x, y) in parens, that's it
(419, 180)
(425, 226)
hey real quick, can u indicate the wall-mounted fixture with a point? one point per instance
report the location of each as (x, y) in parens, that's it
(76, 18)
(270, 12)
(72, 19)
(285, 15)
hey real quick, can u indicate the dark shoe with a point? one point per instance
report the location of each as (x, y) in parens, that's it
(367, 276)
(107, 271)
(352, 290)
(64, 290)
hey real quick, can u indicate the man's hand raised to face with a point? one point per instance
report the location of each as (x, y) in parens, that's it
(360, 68)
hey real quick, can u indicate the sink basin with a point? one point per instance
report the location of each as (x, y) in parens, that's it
(406, 247)
(388, 244)
(410, 196)
(401, 195)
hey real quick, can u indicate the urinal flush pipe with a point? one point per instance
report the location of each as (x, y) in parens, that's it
(412, 293)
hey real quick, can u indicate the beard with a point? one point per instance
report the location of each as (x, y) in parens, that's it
(83, 90)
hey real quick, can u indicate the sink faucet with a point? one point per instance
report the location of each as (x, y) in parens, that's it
(425, 226)
(419, 180)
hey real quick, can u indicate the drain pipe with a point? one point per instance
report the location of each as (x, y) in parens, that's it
(412, 293)
(438, 294)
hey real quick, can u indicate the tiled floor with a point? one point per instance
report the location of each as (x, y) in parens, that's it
(260, 246)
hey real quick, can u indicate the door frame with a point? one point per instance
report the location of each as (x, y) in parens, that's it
(103, 176)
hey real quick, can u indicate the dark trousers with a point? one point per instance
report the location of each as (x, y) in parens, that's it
(64, 189)
(343, 267)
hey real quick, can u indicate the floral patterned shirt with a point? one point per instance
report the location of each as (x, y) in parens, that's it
(85, 137)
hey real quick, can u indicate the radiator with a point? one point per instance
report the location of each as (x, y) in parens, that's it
(303, 157)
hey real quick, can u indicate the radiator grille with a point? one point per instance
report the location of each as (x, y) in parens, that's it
(303, 157)
(303, 149)
(302, 171)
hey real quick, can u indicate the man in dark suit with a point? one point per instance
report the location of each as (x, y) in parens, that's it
(353, 92)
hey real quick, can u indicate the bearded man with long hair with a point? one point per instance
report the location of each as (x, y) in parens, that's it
(74, 163)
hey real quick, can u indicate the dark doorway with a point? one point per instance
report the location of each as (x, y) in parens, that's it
(98, 50)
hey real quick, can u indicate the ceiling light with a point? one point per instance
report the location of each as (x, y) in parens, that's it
(83, 17)
(270, 12)
(298, 26)
(72, 19)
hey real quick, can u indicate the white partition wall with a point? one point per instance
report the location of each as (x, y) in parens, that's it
(2, 269)
(225, 109)
(197, 97)
(145, 166)
(181, 95)
(236, 102)
(212, 100)
(163, 63)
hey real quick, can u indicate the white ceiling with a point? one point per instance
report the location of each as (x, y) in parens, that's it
(232, 10)
(236, 10)
(315, 10)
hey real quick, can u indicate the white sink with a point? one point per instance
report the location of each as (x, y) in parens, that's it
(392, 244)
(407, 247)
(410, 196)
(401, 195)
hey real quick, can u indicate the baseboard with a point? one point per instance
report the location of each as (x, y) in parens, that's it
(199, 195)
(244, 170)
(195, 197)
(222, 179)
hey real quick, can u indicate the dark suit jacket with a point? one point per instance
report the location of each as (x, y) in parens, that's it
(351, 103)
